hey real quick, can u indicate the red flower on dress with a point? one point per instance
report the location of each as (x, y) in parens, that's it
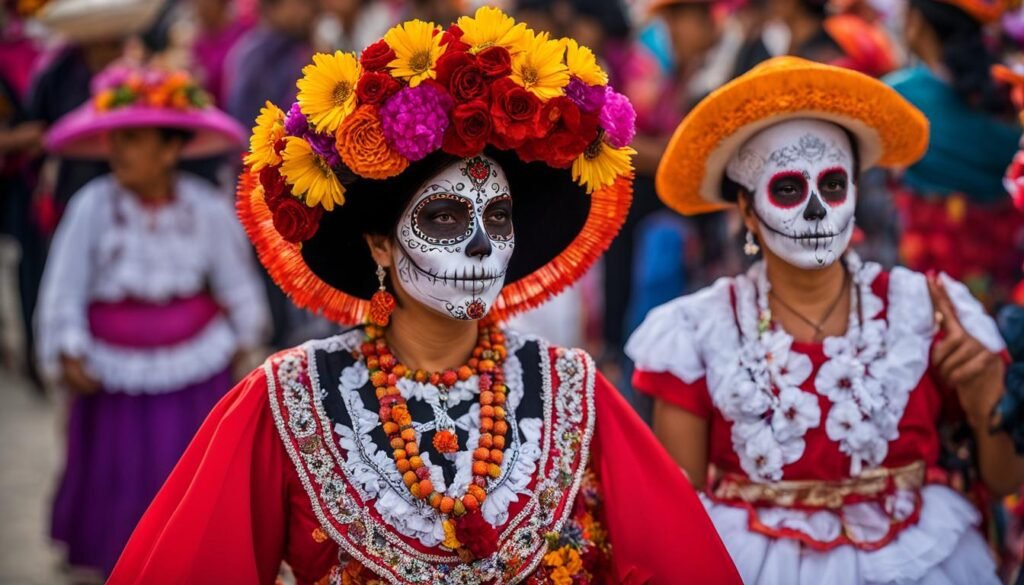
(374, 87)
(515, 114)
(495, 62)
(377, 56)
(296, 221)
(563, 132)
(471, 126)
(476, 535)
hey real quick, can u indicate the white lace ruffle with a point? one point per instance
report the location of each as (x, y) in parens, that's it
(163, 369)
(943, 547)
(675, 336)
(972, 314)
(373, 473)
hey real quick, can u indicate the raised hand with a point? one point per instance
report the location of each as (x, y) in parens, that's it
(963, 363)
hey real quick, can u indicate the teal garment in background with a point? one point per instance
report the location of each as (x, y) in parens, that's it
(968, 151)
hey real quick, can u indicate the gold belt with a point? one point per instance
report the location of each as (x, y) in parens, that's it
(820, 494)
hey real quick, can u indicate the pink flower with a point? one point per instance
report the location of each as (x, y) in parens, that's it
(414, 120)
(618, 118)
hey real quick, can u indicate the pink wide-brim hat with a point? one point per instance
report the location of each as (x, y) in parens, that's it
(82, 133)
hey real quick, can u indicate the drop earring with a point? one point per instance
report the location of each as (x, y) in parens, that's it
(750, 247)
(382, 303)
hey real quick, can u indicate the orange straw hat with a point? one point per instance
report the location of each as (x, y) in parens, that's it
(890, 131)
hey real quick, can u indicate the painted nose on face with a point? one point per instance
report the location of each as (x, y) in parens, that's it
(815, 210)
(479, 245)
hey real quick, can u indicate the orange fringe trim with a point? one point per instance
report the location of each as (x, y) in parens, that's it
(283, 260)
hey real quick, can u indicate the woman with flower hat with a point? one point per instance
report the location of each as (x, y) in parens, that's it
(439, 183)
(149, 295)
(804, 396)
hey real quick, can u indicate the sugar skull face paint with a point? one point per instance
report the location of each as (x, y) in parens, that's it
(801, 175)
(455, 239)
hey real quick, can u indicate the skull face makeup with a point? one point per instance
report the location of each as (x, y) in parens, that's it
(801, 175)
(455, 239)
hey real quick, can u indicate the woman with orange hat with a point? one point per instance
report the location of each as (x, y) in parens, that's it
(803, 397)
(441, 182)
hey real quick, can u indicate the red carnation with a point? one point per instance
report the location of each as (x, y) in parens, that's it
(377, 56)
(471, 126)
(374, 87)
(515, 114)
(296, 221)
(495, 61)
(274, 187)
(563, 132)
(476, 535)
(453, 39)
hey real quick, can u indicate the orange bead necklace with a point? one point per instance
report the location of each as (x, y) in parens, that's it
(487, 363)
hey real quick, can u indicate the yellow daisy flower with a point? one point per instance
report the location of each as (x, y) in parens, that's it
(539, 68)
(268, 130)
(310, 175)
(417, 50)
(491, 27)
(600, 164)
(583, 63)
(327, 90)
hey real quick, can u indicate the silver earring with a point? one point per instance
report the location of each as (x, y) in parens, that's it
(750, 247)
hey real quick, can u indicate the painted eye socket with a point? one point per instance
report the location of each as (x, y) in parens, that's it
(832, 184)
(498, 219)
(787, 189)
(443, 219)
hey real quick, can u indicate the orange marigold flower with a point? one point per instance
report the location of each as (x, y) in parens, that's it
(361, 146)
(446, 441)
(561, 576)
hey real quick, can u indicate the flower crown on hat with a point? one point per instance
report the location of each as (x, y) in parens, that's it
(125, 85)
(486, 81)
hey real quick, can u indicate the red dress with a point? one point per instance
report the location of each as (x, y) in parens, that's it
(829, 474)
(288, 467)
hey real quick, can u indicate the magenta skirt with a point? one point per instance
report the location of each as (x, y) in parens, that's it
(121, 447)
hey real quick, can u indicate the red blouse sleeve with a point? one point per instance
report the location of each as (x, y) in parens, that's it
(665, 386)
(659, 529)
(221, 515)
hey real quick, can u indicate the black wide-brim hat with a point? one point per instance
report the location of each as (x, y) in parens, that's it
(560, 232)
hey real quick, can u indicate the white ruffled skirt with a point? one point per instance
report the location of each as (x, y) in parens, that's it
(943, 548)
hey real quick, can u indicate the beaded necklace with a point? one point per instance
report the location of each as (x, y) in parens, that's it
(487, 363)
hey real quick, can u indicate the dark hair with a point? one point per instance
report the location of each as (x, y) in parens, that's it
(172, 134)
(965, 55)
(731, 190)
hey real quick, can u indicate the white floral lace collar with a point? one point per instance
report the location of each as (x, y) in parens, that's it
(868, 377)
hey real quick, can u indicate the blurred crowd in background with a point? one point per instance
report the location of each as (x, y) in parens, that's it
(953, 211)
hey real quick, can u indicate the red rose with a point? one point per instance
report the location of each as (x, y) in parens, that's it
(452, 38)
(515, 114)
(476, 535)
(471, 126)
(274, 187)
(468, 83)
(374, 87)
(377, 56)
(449, 63)
(495, 61)
(296, 221)
(563, 132)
